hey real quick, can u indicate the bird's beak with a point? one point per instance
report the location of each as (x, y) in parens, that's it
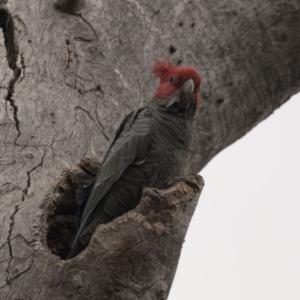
(188, 87)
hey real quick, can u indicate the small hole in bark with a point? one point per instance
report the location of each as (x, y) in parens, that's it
(68, 42)
(179, 62)
(61, 216)
(180, 24)
(29, 41)
(172, 49)
(283, 37)
(220, 100)
(192, 25)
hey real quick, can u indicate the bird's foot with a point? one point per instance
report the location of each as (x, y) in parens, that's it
(152, 192)
(190, 183)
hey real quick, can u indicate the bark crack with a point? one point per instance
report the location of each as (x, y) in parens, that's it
(11, 226)
(96, 89)
(40, 164)
(100, 126)
(22, 272)
(67, 53)
(88, 24)
(7, 26)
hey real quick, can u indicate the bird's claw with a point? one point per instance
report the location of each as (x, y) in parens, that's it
(188, 182)
(152, 192)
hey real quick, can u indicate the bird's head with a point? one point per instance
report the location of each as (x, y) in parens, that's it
(179, 84)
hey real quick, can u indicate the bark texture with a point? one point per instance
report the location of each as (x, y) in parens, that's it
(69, 72)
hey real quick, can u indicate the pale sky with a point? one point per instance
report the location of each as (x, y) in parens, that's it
(244, 239)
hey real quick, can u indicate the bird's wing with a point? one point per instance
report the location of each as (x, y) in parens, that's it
(130, 143)
(82, 194)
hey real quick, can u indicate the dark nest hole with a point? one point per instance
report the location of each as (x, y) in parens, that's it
(61, 219)
(61, 228)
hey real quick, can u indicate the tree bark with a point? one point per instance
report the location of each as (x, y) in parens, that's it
(69, 73)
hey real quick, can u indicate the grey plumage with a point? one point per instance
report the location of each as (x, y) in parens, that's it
(150, 149)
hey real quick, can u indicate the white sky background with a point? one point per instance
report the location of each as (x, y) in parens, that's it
(244, 239)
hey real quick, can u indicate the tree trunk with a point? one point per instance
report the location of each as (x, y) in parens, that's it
(70, 70)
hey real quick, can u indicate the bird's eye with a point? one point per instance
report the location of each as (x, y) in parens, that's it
(172, 79)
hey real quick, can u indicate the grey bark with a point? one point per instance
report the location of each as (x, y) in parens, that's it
(68, 76)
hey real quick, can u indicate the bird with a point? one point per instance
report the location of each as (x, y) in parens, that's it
(149, 151)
